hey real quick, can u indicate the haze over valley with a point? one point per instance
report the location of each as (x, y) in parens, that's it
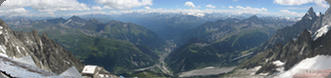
(152, 39)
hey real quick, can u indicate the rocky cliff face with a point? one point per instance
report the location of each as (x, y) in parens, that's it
(314, 40)
(35, 50)
(286, 34)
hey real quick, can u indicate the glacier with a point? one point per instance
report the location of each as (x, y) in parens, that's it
(317, 63)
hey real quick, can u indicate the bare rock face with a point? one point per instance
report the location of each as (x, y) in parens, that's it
(45, 53)
(1, 1)
(306, 45)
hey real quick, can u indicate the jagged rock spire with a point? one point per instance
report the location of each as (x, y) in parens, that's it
(311, 11)
(310, 15)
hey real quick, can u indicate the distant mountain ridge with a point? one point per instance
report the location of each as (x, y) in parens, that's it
(223, 42)
(219, 43)
(295, 46)
(284, 35)
(125, 46)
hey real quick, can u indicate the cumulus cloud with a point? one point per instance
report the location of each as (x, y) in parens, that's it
(321, 3)
(189, 4)
(249, 10)
(231, 7)
(210, 6)
(13, 12)
(124, 4)
(195, 12)
(291, 13)
(97, 8)
(147, 7)
(46, 5)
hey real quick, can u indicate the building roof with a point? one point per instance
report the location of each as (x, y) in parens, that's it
(89, 69)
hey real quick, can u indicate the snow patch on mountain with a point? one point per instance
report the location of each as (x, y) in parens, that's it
(26, 60)
(68, 21)
(278, 63)
(72, 72)
(320, 32)
(319, 62)
(17, 69)
(3, 51)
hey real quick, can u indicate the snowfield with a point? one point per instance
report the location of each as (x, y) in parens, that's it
(317, 63)
(19, 68)
(320, 32)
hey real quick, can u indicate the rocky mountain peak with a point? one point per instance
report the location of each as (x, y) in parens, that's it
(76, 18)
(76, 21)
(311, 14)
(254, 17)
(311, 11)
(39, 51)
(56, 20)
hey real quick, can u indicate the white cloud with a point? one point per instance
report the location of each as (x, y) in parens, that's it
(231, 7)
(97, 8)
(249, 10)
(46, 5)
(196, 12)
(147, 7)
(13, 12)
(321, 3)
(291, 13)
(190, 4)
(124, 4)
(210, 6)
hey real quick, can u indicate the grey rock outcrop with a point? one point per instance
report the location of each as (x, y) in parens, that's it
(1, 1)
(290, 48)
(45, 53)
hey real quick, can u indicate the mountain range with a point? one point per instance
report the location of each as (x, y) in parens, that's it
(182, 44)
(125, 46)
(219, 43)
(293, 50)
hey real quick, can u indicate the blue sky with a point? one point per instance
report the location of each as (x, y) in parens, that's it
(290, 8)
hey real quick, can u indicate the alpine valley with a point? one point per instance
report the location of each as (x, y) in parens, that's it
(154, 45)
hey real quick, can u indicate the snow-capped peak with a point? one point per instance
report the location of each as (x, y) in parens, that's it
(320, 32)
